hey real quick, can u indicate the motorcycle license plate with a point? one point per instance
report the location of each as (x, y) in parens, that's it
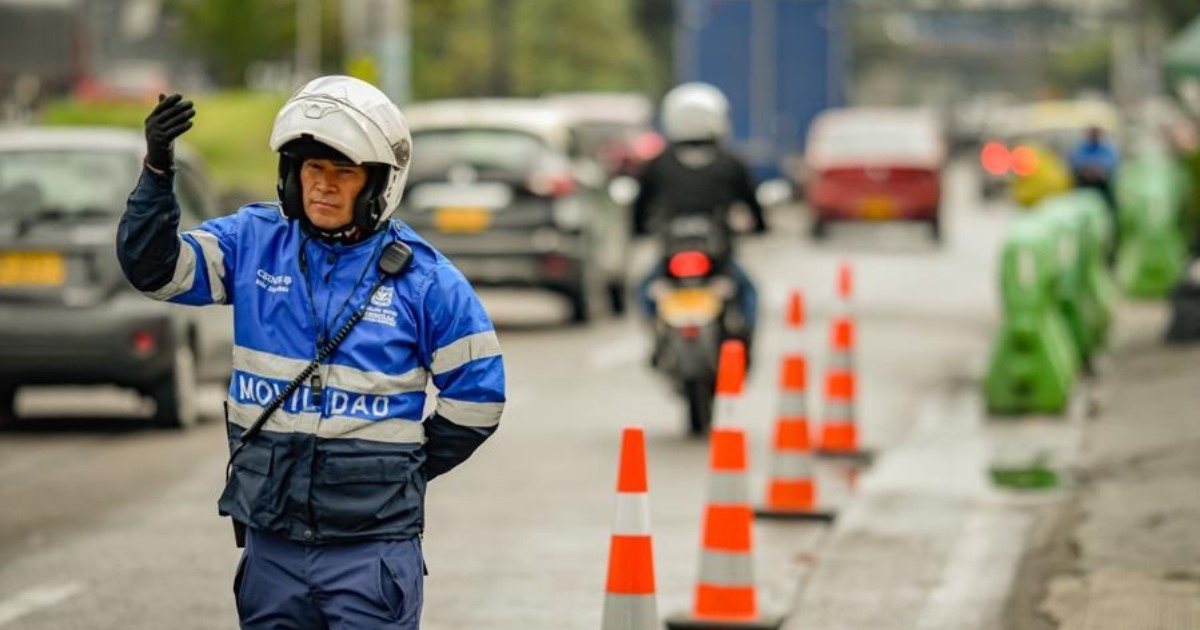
(690, 303)
(32, 269)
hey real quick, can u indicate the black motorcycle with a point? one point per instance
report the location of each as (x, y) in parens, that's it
(694, 306)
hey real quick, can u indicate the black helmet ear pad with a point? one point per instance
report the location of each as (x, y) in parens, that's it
(368, 207)
(291, 196)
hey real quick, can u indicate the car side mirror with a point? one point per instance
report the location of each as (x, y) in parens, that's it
(623, 190)
(773, 192)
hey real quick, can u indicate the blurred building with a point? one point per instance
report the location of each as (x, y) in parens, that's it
(101, 49)
(936, 52)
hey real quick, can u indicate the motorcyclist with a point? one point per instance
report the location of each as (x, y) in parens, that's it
(696, 174)
(332, 487)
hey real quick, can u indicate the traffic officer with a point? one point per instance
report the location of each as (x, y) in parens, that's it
(331, 490)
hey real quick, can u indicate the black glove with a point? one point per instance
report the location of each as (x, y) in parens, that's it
(170, 118)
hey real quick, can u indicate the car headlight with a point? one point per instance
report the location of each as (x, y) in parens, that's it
(569, 214)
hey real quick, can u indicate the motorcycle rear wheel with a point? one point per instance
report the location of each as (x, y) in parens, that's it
(699, 394)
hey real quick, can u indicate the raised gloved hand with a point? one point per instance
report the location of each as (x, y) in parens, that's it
(170, 118)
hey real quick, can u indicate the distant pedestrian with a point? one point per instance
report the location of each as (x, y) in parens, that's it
(353, 311)
(1094, 164)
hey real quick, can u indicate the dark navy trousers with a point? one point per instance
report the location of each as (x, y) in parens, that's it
(282, 584)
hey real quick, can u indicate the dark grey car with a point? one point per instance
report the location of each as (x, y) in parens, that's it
(67, 314)
(499, 187)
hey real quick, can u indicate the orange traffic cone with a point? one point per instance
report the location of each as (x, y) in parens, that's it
(792, 488)
(725, 593)
(839, 433)
(629, 602)
(845, 283)
(731, 378)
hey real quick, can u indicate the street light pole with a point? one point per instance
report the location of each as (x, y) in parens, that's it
(308, 39)
(394, 51)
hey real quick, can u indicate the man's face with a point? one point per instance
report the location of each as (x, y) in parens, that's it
(330, 189)
(1094, 134)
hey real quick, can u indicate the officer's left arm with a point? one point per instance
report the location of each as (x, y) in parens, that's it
(463, 354)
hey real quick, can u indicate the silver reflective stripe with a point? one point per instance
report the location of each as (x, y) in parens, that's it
(725, 411)
(470, 414)
(394, 431)
(630, 612)
(463, 351)
(267, 365)
(184, 277)
(786, 466)
(728, 489)
(841, 360)
(791, 405)
(839, 412)
(377, 383)
(350, 379)
(632, 515)
(214, 260)
(726, 569)
(244, 415)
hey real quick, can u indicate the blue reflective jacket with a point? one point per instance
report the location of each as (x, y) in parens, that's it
(355, 465)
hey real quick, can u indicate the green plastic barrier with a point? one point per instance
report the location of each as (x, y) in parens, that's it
(1100, 285)
(1079, 224)
(1034, 362)
(1067, 236)
(1151, 190)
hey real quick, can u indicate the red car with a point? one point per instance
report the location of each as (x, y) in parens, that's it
(874, 164)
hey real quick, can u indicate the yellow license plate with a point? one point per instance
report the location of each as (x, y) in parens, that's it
(690, 302)
(32, 269)
(462, 219)
(877, 208)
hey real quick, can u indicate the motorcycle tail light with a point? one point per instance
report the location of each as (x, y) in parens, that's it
(142, 343)
(689, 332)
(689, 265)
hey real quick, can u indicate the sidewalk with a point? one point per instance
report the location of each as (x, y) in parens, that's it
(1125, 553)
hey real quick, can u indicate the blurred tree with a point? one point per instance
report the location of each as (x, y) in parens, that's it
(526, 47)
(592, 45)
(656, 19)
(1084, 65)
(1175, 14)
(232, 34)
(451, 48)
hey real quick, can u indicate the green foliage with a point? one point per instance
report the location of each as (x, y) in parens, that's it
(232, 34)
(554, 46)
(578, 46)
(1085, 65)
(231, 132)
(1175, 14)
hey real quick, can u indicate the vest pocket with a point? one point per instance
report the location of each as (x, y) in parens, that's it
(249, 494)
(357, 493)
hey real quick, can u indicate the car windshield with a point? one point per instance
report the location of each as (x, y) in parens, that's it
(64, 182)
(492, 152)
(596, 137)
(871, 139)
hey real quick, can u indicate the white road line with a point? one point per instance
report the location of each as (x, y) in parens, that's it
(34, 599)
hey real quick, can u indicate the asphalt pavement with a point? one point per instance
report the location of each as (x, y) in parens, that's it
(109, 524)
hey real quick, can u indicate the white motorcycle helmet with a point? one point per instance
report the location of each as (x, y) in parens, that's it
(340, 117)
(694, 112)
